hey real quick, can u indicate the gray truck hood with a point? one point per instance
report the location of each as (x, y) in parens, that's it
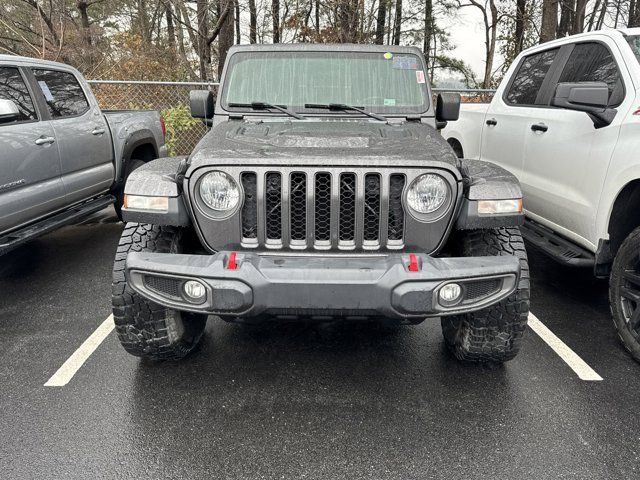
(324, 142)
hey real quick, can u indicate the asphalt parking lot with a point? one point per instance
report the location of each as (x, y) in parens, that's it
(288, 400)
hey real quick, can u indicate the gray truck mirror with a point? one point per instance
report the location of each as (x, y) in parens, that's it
(589, 97)
(202, 103)
(447, 108)
(9, 111)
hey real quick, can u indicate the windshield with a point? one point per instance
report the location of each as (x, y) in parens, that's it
(376, 81)
(634, 41)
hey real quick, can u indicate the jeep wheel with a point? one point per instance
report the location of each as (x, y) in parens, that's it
(146, 329)
(131, 165)
(624, 293)
(493, 334)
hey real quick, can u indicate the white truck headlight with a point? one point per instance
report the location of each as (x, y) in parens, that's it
(219, 191)
(496, 207)
(140, 202)
(427, 193)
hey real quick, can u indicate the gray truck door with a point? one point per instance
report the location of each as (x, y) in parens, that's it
(82, 134)
(30, 182)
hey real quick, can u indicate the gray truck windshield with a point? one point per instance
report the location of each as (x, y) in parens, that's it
(376, 81)
(634, 42)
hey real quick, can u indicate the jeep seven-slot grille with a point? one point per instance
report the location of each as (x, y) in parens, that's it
(316, 209)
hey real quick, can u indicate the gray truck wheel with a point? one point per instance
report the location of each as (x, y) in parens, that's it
(494, 334)
(131, 165)
(146, 329)
(624, 293)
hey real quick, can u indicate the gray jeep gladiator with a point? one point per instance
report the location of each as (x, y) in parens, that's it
(61, 157)
(323, 190)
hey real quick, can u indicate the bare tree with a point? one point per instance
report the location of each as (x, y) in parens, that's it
(549, 20)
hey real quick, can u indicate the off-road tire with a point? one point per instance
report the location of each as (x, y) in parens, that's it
(146, 329)
(626, 267)
(494, 334)
(130, 166)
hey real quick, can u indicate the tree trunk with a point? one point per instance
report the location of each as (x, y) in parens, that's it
(578, 18)
(634, 14)
(428, 30)
(85, 24)
(521, 6)
(204, 48)
(492, 29)
(549, 20)
(348, 21)
(171, 29)
(397, 26)
(237, 20)
(253, 22)
(275, 15)
(567, 11)
(380, 21)
(227, 29)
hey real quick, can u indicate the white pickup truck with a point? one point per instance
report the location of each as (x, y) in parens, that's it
(566, 121)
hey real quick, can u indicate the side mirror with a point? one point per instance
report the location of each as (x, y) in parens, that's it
(202, 103)
(589, 97)
(9, 111)
(447, 109)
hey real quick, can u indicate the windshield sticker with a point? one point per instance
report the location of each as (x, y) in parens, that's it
(45, 90)
(420, 76)
(388, 56)
(389, 102)
(405, 63)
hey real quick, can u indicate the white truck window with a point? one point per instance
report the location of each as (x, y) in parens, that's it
(528, 80)
(593, 62)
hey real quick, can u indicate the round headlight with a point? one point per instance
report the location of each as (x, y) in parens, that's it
(219, 191)
(427, 193)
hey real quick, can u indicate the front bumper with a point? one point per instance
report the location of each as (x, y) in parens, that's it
(322, 286)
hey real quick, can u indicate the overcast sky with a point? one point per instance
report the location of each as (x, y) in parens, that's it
(467, 34)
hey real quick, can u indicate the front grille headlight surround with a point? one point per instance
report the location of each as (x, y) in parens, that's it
(219, 192)
(428, 197)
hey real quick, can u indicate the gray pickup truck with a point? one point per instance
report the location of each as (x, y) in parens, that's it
(61, 157)
(322, 190)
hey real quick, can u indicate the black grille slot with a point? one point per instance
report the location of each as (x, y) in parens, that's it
(483, 288)
(323, 207)
(298, 195)
(347, 207)
(371, 207)
(396, 212)
(164, 285)
(250, 207)
(273, 205)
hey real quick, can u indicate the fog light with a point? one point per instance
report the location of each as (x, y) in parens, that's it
(450, 294)
(194, 291)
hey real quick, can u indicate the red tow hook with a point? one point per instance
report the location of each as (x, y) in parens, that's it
(413, 262)
(231, 261)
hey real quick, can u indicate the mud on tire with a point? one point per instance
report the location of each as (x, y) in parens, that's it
(493, 334)
(144, 328)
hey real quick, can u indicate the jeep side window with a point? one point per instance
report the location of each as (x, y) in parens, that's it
(62, 92)
(528, 79)
(12, 87)
(593, 62)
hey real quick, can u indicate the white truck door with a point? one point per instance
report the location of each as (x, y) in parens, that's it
(566, 157)
(509, 116)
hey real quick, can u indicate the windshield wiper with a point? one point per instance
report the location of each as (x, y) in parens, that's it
(342, 106)
(266, 106)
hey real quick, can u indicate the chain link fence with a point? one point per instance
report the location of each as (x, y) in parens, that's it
(172, 100)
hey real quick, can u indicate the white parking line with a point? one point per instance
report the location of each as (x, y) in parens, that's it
(69, 368)
(571, 358)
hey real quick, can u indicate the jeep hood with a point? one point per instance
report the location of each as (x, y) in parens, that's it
(323, 142)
